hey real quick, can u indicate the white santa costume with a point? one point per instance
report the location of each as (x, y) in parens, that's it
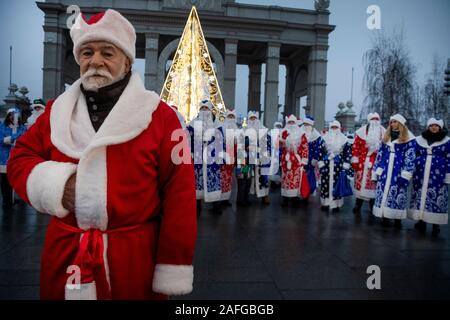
(294, 158)
(133, 232)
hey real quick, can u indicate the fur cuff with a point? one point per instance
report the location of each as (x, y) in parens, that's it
(173, 279)
(7, 140)
(346, 166)
(447, 178)
(45, 186)
(355, 160)
(379, 171)
(374, 176)
(406, 175)
(321, 164)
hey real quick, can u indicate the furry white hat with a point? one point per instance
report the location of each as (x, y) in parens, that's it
(253, 114)
(399, 118)
(291, 118)
(109, 26)
(435, 121)
(230, 112)
(373, 115)
(335, 123)
(206, 103)
(308, 120)
(277, 123)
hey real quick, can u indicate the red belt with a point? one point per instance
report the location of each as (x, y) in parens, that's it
(89, 257)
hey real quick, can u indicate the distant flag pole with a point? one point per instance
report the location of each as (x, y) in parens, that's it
(351, 93)
(10, 65)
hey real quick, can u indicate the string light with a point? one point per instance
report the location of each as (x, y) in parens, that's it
(191, 77)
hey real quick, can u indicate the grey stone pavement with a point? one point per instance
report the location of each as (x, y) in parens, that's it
(269, 252)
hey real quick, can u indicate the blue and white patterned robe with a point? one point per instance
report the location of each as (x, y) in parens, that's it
(207, 173)
(314, 144)
(330, 166)
(429, 197)
(393, 170)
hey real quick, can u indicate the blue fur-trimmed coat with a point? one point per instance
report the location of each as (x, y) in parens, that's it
(393, 170)
(431, 177)
(207, 173)
(330, 167)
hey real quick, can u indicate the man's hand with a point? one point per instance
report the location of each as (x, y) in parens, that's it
(68, 199)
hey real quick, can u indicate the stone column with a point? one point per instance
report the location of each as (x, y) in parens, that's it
(317, 83)
(151, 61)
(54, 59)
(254, 87)
(271, 85)
(289, 107)
(230, 72)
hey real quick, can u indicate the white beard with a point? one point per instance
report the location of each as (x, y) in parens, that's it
(374, 137)
(293, 140)
(230, 124)
(253, 124)
(335, 141)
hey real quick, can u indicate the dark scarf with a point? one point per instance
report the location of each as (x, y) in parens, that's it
(434, 137)
(395, 135)
(100, 103)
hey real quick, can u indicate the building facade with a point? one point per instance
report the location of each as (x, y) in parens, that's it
(237, 33)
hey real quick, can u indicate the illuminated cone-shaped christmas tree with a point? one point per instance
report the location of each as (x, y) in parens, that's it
(191, 77)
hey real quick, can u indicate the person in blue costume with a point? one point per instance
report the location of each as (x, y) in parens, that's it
(334, 157)
(10, 131)
(393, 170)
(315, 142)
(206, 146)
(431, 177)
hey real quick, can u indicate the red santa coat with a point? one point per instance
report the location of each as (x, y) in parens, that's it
(362, 163)
(293, 177)
(134, 229)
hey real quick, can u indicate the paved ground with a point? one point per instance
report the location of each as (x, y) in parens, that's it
(270, 253)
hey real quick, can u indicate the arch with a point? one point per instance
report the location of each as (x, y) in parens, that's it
(168, 51)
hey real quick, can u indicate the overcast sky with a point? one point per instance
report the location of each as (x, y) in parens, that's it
(426, 25)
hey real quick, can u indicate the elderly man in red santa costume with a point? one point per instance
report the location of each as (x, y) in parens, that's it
(364, 153)
(99, 161)
(294, 157)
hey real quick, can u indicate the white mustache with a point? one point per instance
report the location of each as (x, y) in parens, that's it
(97, 72)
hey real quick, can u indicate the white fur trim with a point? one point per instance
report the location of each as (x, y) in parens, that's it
(399, 118)
(7, 140)
(447, 178)
(131, 115)
(289, 193)
(332, 203)
(429, 217)
(225, 196)
(112, 27)
(355, 160)
(364, 194)
(86, 291)
(172, 279)
(423, 143)
(321, 164)
(389, 213)
(406, 175)
(346, 166)
(45, 186)
(439, 122)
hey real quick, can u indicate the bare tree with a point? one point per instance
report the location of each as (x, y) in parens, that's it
(434, 97)
(389, 80)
